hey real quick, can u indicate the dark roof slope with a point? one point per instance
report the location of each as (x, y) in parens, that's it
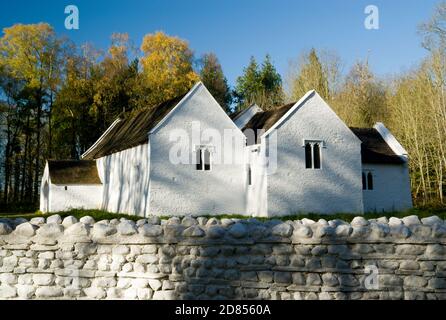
(73, 172)
(374, 148)
(266, 119)
(133, 130)
(235, 115)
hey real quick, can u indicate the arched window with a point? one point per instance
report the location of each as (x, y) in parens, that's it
(199, 159)
(203, 159)
(317, 156)
(370, 181)
(313, 154)
(207, 160)
(249, 176)
(364, 181)
(308, 160)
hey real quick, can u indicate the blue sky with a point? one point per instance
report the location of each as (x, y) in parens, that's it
(237, 29)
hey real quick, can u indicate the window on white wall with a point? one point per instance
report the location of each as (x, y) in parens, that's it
(364, 181)
(313, 154)
(367, 180)
(249, 176)
(203, 158)
(370, 181)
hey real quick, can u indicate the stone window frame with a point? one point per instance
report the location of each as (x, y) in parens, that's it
(201, 165)
(312, 142)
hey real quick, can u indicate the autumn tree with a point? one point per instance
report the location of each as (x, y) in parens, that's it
(75, 127)
(434, 30)
(211, 74)
(166, 67)
(31, 54)
(362, 101)
(309, 73)
(115, 90)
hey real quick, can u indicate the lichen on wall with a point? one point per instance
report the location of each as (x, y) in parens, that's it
(200, 258)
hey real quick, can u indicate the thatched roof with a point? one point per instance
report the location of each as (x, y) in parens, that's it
(69, 172)
(238, 113)
(132, 130)
(265, 120)
(374, 148)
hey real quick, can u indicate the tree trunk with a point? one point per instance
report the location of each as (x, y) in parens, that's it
(38, 151)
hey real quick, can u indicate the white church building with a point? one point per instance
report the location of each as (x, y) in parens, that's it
(186, 156)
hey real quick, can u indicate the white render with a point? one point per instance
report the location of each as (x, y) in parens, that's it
(55, 198)
(334, 188)
(125, 178)
(391, 191)
(143, 180)
(179, 188)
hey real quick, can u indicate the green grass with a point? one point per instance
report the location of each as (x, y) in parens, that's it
(103, 215)
(98, 215)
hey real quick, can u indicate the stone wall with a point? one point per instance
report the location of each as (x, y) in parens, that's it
(222, 259)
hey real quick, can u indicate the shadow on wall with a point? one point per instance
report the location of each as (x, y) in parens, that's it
(126, 187)
(126, 190)
(298, 190)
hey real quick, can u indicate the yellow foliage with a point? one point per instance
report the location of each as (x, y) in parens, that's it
(27, 52)
(167, 66)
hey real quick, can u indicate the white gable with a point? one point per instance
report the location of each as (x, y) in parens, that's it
(309, 96)
(246, 115)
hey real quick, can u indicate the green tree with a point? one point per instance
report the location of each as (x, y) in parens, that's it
(211, 74)
(261, 85)
(271, 82)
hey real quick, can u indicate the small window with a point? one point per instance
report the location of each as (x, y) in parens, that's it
(367, 180)
(203, 159)
(313, 155)
(207, 159)
(308, 160)
(364, 182)
(370, 181)
(249, 176)
(199, 159)
(317, 156)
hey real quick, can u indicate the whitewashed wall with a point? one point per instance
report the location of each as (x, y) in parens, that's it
(391, 188)
(337, 187)
(44, 196)
(179, 189)
(256, 193)
(125, 177)
(75, 197)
